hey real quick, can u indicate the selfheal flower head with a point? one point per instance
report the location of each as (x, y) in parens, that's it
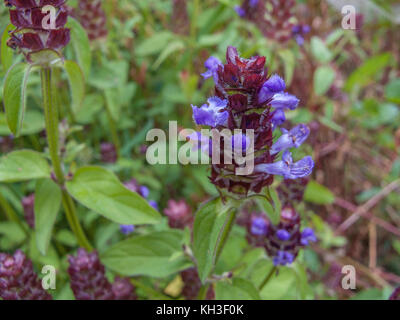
(212, 114)
(246, 98)
(123, 289)
(93, 18)
(87, 274)
(291, 139)
(192, 285)
(31, 36)
(18, 280)
(179, 214)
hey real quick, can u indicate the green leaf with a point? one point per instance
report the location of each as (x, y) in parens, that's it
(6, 53)
(366, 73)
(154, 44)
(273, 210)
(318, 194)
(239, 289)
(76, 82)
(81, 45)
(12, 235)
(33, 123)
(208, 224)
(14, 95)
(47, 205)
(320, 51)
(323, 79)
(158, 254)
(169, 49)
(392, 91)
(100, 190)
(23, 165)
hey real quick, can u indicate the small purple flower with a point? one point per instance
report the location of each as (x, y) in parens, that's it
(291, 139)
(144, 191)
(259, 226)
(153, 204)
(278, 118)
(240, 11)
(299, 39)
(299, 31)
(212, 64)
(283, 235)
(283, 258)
(287, 168)
(127, 228)
(212, 114)
(284, 101)
(308, 235)
(275, 84)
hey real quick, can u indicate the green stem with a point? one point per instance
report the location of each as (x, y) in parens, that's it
(113, 130)
(226, 230)
(224, 235)
(203, 292)
(51, 120)
(267, 278)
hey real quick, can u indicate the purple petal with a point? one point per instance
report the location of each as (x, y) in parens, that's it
(127, 228)
(292, 139)
(308, 235)
(259, 227)
(211, 115)
(275, 84)
(285, 101)
(283, 235)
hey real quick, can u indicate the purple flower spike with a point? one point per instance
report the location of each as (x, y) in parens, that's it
(287, 168)
(283, 258)
(259, 227)
(212, 64)
(127, 228)
(284, 101)
(308, 235)
(283, 235)
(272, 86)
(291, 139)
(211, 115)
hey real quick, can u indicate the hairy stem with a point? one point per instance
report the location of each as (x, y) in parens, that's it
(267, 278)
(51, 119)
